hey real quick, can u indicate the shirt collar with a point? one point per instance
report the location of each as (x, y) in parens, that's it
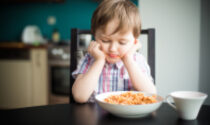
(120, 63)
(117, 64)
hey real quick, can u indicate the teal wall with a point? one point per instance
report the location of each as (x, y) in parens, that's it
(70, 14)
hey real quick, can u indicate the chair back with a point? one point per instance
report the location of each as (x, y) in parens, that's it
(74, 45)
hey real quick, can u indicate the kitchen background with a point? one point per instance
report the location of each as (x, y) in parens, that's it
(182, 46)
(68, 14)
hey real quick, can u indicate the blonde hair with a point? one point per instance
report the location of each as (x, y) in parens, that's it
(123, 10)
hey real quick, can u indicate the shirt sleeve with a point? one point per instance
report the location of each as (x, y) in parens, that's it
(83, 65)
(143, 64)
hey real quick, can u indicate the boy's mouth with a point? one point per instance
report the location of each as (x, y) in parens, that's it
(113, 55)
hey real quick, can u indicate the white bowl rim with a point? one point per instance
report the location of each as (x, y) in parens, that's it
(200, 95)
(159, 101)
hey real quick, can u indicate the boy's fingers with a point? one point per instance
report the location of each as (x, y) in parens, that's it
(96, 46)
(90, 47)
(138, 46)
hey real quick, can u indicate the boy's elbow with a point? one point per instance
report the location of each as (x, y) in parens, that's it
(153, 90)
(79, 98)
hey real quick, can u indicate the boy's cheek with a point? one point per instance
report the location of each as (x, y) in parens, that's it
(123, 54)
(125, 51)
(102, 48)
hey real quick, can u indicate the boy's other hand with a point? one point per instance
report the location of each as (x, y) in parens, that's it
(95, 51)
(129, 54)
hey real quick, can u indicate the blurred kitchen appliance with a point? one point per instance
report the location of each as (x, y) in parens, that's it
(59, 73)
(84, 40)
(32, 34)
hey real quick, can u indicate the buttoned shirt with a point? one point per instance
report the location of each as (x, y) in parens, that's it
(113, 77)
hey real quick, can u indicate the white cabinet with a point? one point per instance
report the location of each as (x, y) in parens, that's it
(24, 82)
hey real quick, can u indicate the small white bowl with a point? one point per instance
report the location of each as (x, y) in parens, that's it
(128, 111)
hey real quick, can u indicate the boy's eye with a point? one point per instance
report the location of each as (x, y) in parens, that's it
(105, 41)
(123, 43)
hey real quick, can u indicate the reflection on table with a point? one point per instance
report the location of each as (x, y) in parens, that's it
(92, 114)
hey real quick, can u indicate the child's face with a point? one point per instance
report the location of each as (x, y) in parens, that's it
(114, 45)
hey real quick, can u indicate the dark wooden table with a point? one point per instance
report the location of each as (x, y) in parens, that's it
(92, 114)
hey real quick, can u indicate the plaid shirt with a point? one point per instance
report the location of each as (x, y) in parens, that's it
(114, 77)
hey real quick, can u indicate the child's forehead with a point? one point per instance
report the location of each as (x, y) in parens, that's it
(110, 27)
(113, 35)
(118, 35)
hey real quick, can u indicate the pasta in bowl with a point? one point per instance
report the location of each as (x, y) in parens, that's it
(129, 104)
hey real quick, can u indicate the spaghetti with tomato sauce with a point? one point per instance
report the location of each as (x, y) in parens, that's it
(130, 98)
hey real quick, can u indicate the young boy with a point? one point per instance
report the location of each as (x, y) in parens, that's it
(112, 63)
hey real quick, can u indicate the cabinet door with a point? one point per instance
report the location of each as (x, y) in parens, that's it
(40, 77)
(15, 83)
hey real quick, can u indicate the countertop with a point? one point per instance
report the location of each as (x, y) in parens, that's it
(21, 45)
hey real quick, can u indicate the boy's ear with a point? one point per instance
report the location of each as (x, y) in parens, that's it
(135, 41)
(139, 45)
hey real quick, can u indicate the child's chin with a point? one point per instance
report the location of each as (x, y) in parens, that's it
(113, 60)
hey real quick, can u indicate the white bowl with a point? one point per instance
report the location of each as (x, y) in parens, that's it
(128, 111)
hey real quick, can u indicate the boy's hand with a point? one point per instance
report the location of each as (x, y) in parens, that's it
(95, 51)
(129, 54)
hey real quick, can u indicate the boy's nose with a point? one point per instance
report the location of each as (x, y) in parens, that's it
(113, 47)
